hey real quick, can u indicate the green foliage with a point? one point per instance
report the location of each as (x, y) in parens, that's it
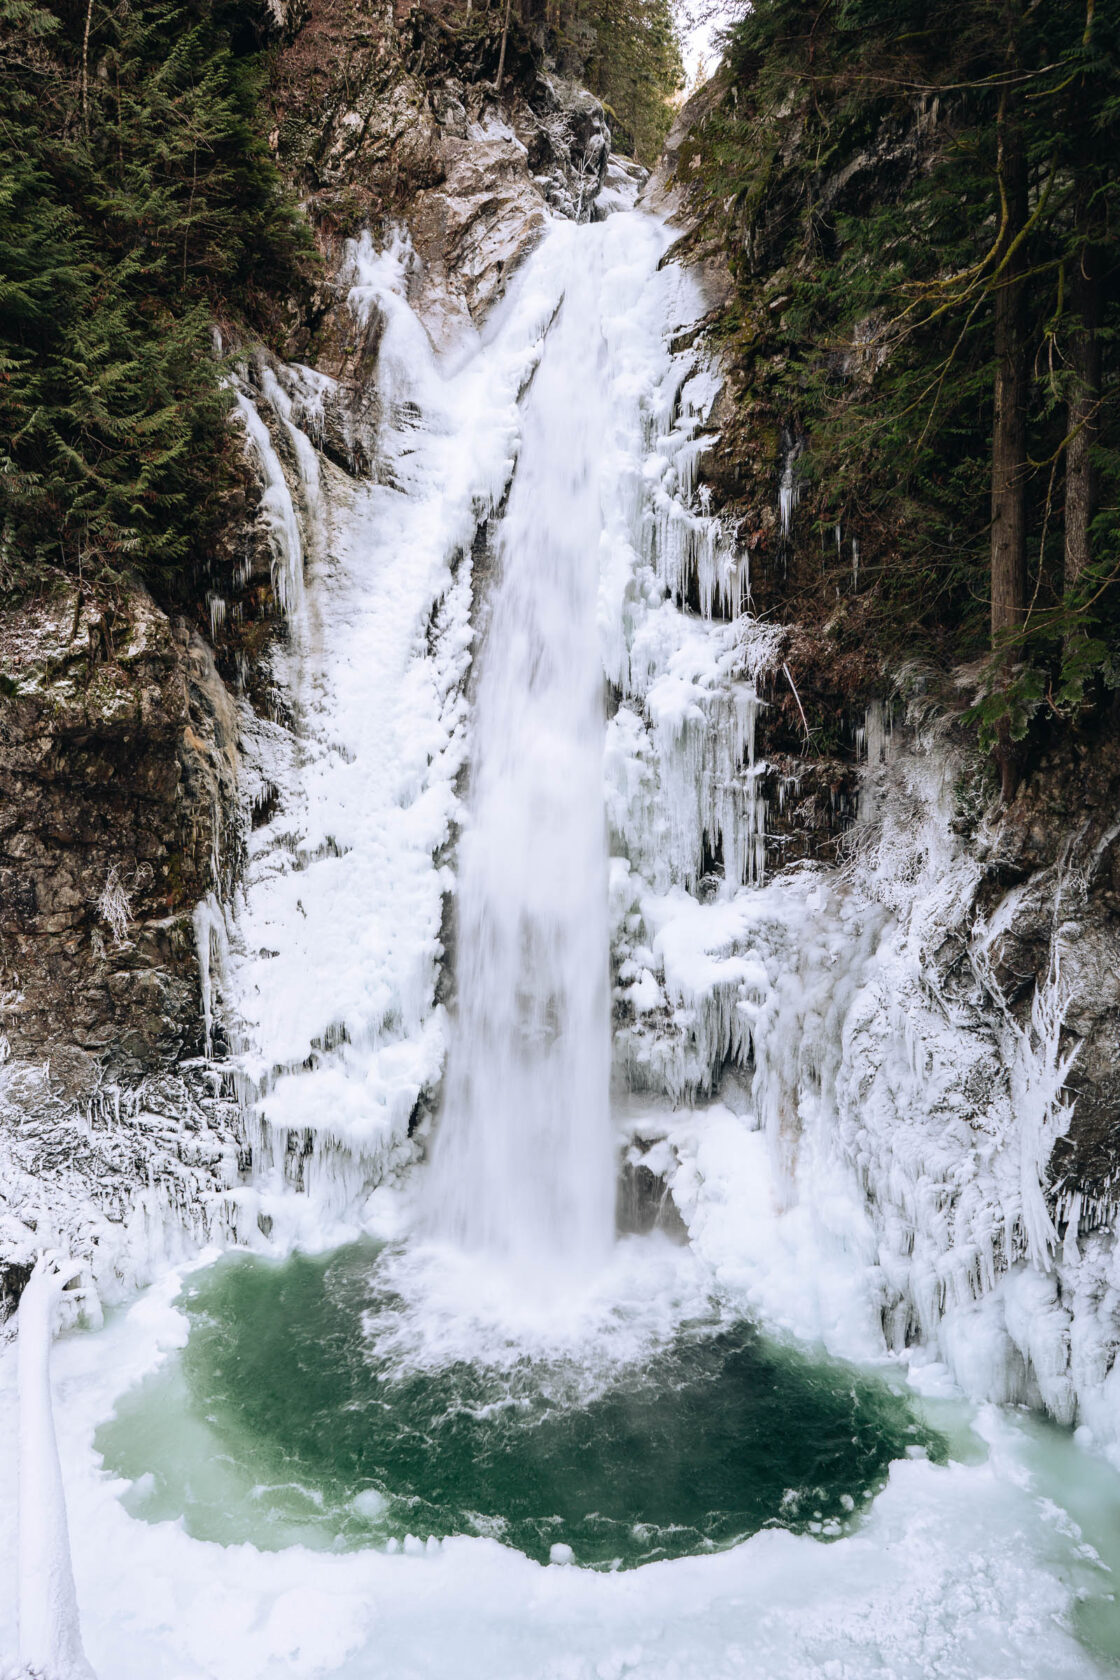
(1009, 701)
(854, 161)
(631, 54)
(137, 202)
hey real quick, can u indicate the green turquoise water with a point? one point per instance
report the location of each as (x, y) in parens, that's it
(283, 1420)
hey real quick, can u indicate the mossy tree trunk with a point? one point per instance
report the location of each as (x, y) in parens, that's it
(1009, 431)
(1083, 421)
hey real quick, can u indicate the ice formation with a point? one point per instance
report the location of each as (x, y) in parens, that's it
(279, 512)
(337, 939)
(920, 1124)
(859, 1148)
(331, 966)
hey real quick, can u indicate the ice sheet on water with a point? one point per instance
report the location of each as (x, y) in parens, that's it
(955, 1573)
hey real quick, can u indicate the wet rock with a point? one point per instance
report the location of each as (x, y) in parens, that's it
(670, 191)
(409, 131)
(117, 767)
(644, 1203)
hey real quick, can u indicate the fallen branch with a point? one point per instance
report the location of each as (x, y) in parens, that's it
(800, 707)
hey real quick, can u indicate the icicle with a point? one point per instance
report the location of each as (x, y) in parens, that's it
(212, 949)
(1039, 1073)
(875, 734)
(789, 491)
(280, 516)
(307, 461)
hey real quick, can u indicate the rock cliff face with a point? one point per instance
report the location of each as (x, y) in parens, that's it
(404, 126)
(118, 763)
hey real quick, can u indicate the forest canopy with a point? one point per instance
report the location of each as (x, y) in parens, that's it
(138, 205)
(634, 65)
(920, 203)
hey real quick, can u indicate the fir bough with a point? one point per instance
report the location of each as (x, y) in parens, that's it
(138, 202)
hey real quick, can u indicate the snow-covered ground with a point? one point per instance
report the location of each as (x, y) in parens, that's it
(964, 1570)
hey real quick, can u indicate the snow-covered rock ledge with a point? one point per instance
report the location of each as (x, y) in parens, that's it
(127, 1182)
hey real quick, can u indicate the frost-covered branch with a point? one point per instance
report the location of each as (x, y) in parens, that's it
(1037, 1072)
(114, 906)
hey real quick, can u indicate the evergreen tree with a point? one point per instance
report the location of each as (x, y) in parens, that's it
(138, 202)
(627, 51)
(948, 353)
(635, 67)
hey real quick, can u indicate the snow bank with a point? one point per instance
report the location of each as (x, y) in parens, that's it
(957, 1572)
(50, 1637)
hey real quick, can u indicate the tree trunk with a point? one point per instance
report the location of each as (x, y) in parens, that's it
(1009, 432)
(502, 54)
(1083, 424)
(85, 68)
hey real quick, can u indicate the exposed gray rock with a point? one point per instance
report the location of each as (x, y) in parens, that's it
(503, 173)
(668, 191)
(396, 123)
(473, 232)
(118, 760)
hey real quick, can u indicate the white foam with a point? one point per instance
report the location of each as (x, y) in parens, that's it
(442, 1306)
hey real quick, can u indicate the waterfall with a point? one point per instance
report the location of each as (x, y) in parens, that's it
(523, 1166)
(566, 440)
(855, 1133)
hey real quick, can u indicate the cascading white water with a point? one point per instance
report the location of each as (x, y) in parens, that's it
(523, 1163)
